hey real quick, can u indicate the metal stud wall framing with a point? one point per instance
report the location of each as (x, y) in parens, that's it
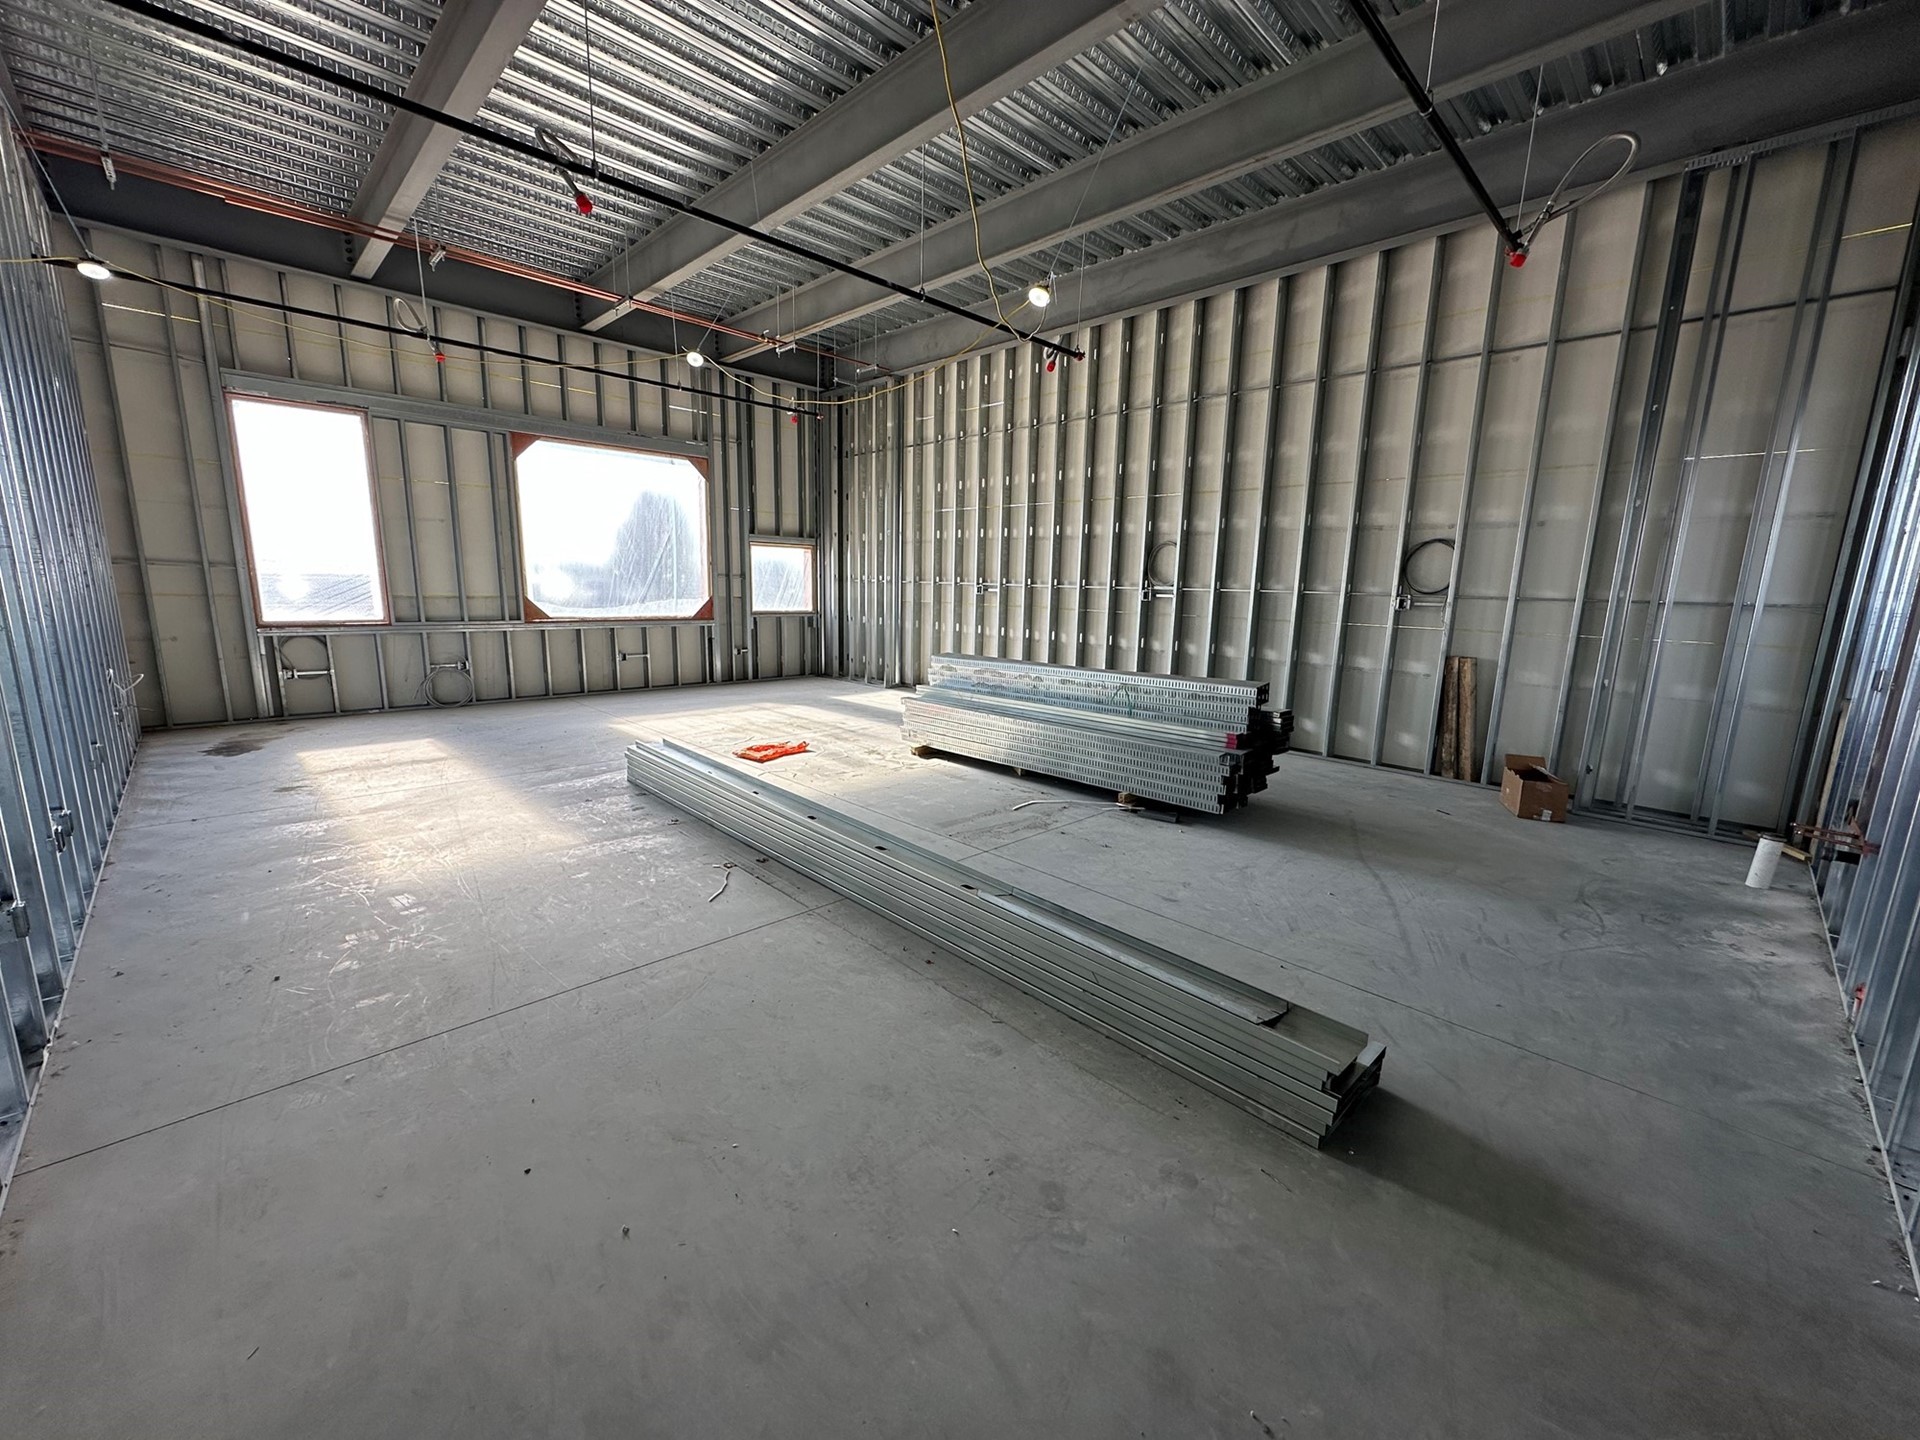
(1228, 486)
(70, 729)
(446, 501)
(1864, 733)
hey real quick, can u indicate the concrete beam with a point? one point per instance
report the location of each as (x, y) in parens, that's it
(1831, 72)
(472, 42)
(993, 46)
(1340, 91)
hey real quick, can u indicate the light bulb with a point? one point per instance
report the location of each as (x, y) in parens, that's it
(94, 269)
(1039, 297)
(695, 359)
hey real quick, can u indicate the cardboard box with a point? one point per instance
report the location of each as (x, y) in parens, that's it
(1532, 791)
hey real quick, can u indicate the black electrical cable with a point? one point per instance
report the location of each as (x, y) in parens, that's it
(261, 51)
(1407, 563)
(445, 342)
(1423, 103)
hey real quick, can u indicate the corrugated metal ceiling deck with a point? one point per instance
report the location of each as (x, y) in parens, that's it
(722, 106)
(84, 69)
(686, 93)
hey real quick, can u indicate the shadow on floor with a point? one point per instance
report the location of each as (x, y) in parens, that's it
(1421, 1152)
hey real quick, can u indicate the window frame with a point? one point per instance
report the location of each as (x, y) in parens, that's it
(520, 441)
(787, 542)
(383, 590)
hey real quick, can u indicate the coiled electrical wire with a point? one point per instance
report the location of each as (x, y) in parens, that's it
(432, 697)
(1407, 563)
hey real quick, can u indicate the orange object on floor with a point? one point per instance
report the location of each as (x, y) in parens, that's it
(760, 754)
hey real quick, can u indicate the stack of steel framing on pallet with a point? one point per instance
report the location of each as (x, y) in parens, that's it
(1292, 1067)
(1205, 745)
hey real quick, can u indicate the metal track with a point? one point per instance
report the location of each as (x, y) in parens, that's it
(1205, 745)
(1188, 778)
(1160, 697)
(1127, 729)
(1298, 1070)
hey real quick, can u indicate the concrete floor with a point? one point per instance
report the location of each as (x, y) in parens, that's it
(415, 1086)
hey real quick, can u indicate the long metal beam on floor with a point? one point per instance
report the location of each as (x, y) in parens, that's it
(1297, 1069)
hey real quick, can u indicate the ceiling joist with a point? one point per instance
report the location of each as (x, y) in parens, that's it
(568, 165)
(1120, 149)
(1824, 74)
(1341, 91)
(994, 47)
(472, 43)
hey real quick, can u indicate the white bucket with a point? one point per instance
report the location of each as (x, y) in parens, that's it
(1766, 860)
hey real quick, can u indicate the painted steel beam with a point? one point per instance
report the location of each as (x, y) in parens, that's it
(993, 46)
(1829, 73)
(10, 95)
(1337, 93)
(471, 44)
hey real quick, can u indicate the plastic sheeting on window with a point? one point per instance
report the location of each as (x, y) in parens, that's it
(307, 493)
(612, 534)
(782, 578)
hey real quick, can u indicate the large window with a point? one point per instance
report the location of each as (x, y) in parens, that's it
(306, 490)
(609, 534)
(782, 577)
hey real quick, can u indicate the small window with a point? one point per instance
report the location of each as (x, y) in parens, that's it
(306, 491)
(608, 534)
(782, 578)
